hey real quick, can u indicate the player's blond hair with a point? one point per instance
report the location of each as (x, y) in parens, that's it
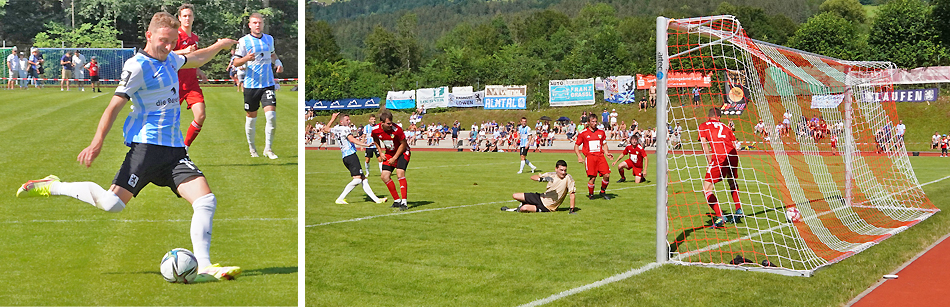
(163, 20)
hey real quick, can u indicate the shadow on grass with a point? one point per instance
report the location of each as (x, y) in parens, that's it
(576, 208)
(247, 273)
(253, 164)
(413, 204)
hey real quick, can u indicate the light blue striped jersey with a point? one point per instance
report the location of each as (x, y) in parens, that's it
(524, 133)
(342, 133)
(259, 73)
(368, 131)
(152, 86)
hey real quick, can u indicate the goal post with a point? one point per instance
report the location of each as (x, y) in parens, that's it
(813, 134)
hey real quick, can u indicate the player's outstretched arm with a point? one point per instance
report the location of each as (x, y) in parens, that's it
(326, 128)
(356, 141)
(201, 56)
(105, 124)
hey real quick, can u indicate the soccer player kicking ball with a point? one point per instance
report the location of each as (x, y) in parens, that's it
(390, 137)
(188, 78)
(157, 151)
(723, 163)
(560, 185)
(592, 140)
(345, 137)
(637, 162)
(256, 52)
(524, 142)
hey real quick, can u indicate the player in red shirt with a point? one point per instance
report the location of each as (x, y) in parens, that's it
(390, 138)
(93, 67)
(592, 140)
(637, 162)
(723, 163)
(188, 88)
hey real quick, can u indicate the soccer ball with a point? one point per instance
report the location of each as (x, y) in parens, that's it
(793, 215)
(179, 266)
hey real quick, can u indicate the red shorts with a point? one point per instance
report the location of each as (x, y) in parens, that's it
(597, 165)
(400, 163)
(723, 167)
(637, 171)
(192, 96)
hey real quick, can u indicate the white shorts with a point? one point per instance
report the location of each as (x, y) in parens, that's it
(78, 74)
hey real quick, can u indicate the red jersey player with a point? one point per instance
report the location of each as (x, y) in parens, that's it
(390, 139)
(188, 78)
(592, 140)
(637, 162)
(723, 163)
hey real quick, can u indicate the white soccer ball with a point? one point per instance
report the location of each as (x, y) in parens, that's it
(793, 215)
(179, 266)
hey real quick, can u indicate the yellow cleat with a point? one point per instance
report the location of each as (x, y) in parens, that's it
(39, 187)
(342, 202)
(382, 200)
(217, 272)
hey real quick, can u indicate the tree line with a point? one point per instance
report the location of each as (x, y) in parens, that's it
(354, 53)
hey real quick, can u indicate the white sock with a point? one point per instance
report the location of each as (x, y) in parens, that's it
(522, 166)
(369, 191)
(380, 167)
(366, 167)
(269, 127)
(349, 187)
(249, 130)
(201, 228)
(529, 163)
(90, 193)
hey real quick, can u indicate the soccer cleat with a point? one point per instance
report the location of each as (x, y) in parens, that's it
(519, 172)
(39, 187)
(533, 168)
(718, 222)
(622, 180)
(504, 208)
(254, 153)
(404, 205)
(737, 216)
(382, 200)
(342, 202)
(604, 195)
(217, 272)
(270, 154)
(590, 196)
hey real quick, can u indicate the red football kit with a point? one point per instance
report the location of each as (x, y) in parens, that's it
(725, 158)
(390, 142)
(635, 162)
(188, 88)
(592, 145)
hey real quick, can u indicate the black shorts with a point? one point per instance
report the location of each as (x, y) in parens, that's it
(372, 152)
(352, 163)
(401, 163)
(535, 200)
(94, 78)
(524, 151)
(254, 98)
(695, 98)
(161, 165)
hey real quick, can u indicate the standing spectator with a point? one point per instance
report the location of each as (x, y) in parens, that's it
(93, 67)
(36, 66)
(455, 134)
(13, 64)
(935, 140)
(24, 66)
(653, 96)
(67, 62)
(79, 61)
(899, 133)
(613, 119)
(605, 118)
(696, 95)
(943, 146)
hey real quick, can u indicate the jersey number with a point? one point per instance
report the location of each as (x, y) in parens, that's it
(720, 126)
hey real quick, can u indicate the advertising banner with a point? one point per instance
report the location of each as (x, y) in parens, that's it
(344, 104)
(401, 100)
(462, 89)
(737, 95)
(429, 98)
(467, 100)
(506, 97)
(620, 89)
(826, 101)
(571, 92)
(676, 79)
(915, 95)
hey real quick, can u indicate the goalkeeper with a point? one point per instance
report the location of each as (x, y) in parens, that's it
(560, 185)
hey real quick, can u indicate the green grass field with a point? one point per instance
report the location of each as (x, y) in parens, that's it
(60, 251)
(453, 247)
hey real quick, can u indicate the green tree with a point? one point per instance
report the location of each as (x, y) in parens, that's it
(851, 10)
(382, 50)
(903, 33)
(409, 50)
(319, 42)
(828, 34)
(100, 35)
(941, 12)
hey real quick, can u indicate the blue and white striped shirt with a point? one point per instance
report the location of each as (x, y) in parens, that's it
(524, 133)
(368, 131)
(342, 133)
(152, 86)
(259, 72)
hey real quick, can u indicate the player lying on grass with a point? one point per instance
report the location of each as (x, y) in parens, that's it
(157, 151)
(344, 136)
(560, 186)
(637, 162)
(723, 163)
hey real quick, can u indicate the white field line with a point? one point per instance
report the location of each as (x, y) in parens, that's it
(144, 221)
(376, 170)
(444, 208)
(654, 265)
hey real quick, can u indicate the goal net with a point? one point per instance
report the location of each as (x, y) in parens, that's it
(813, 133)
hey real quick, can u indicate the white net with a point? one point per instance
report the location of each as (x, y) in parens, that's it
(811, 136)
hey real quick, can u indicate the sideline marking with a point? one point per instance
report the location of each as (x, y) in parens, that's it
(444, 208)
(145, 221)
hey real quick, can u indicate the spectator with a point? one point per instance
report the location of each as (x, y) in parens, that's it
(653, 96)
(935, 140)
(13, 65)
(24, 67)
(79, 62)
(36, 67)
(93, 67)
(605, 119)
(613, 119)
(696, 95)
(643, 104)
(67, 62)
(899, 132)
